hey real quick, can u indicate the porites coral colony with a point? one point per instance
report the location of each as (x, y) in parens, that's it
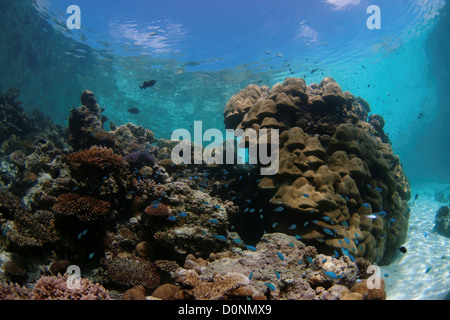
(339, 185)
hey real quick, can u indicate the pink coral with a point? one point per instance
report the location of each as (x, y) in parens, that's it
(55, 288)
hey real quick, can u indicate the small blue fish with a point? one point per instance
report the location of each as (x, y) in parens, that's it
(219, 237)
(310, 260)
(326, 218)
(297, 237)
(171, 219)
(378, 189)
(386, 275)
(274, 225)
(291, 244)
(217, 207)
(425, 234)
(91, 255)
(280, 255)
(330, 275)
(246, 210)
(252, 210)
(206, 202)
(261, 216)
(382, 214)
(279, 209)
(250, 276)
(366, 205)
(305, 195)
(155, 205)
(183, 215)
(336, 254)
(278, 275)
(215, 221)
(261, 210)
(270, 286)
(306, 223)
(251, 248)
(315, 221)
(328, 231)
(371, 216)
(369, 186)
(300, 262)
(292, 227)
(324, 260)
(248, 201)
(346, 240)
(238, 241)
(428, 270)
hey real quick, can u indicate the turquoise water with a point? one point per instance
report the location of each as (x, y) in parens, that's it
(202, 52)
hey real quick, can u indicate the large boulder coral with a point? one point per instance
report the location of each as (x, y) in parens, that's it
(339, 185)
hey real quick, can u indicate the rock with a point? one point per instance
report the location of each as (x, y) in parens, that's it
(442, 222)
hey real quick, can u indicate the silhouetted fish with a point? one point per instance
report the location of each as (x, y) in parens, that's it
(147, 84)
(134, 110)
(420, 116)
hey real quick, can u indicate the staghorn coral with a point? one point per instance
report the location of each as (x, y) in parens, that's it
(55, 288)
(85, 208)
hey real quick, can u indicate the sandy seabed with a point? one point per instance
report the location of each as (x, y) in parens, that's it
(423, 272)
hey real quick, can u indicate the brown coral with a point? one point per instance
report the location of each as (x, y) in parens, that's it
(157, 210)
(55, 288)
(96, 157)
(132, 271)
(85, 208)
(33, 229)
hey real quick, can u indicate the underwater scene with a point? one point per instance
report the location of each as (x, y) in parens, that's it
(229, 150)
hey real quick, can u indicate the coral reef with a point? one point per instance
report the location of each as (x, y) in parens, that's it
(339, 184)
(114, 204)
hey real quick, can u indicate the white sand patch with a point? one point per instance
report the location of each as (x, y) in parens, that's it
(409, 276)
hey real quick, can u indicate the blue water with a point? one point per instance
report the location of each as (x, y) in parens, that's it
(202, 52)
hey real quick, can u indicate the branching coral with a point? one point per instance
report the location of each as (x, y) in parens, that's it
(85, 208)
(157, 210)
(55, 288)
(32, 230)
(132, 271)
(137, 159)
(96, 157)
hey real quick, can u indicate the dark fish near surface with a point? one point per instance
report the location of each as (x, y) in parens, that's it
(147, 84)
(134, 110)
(314, 70)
